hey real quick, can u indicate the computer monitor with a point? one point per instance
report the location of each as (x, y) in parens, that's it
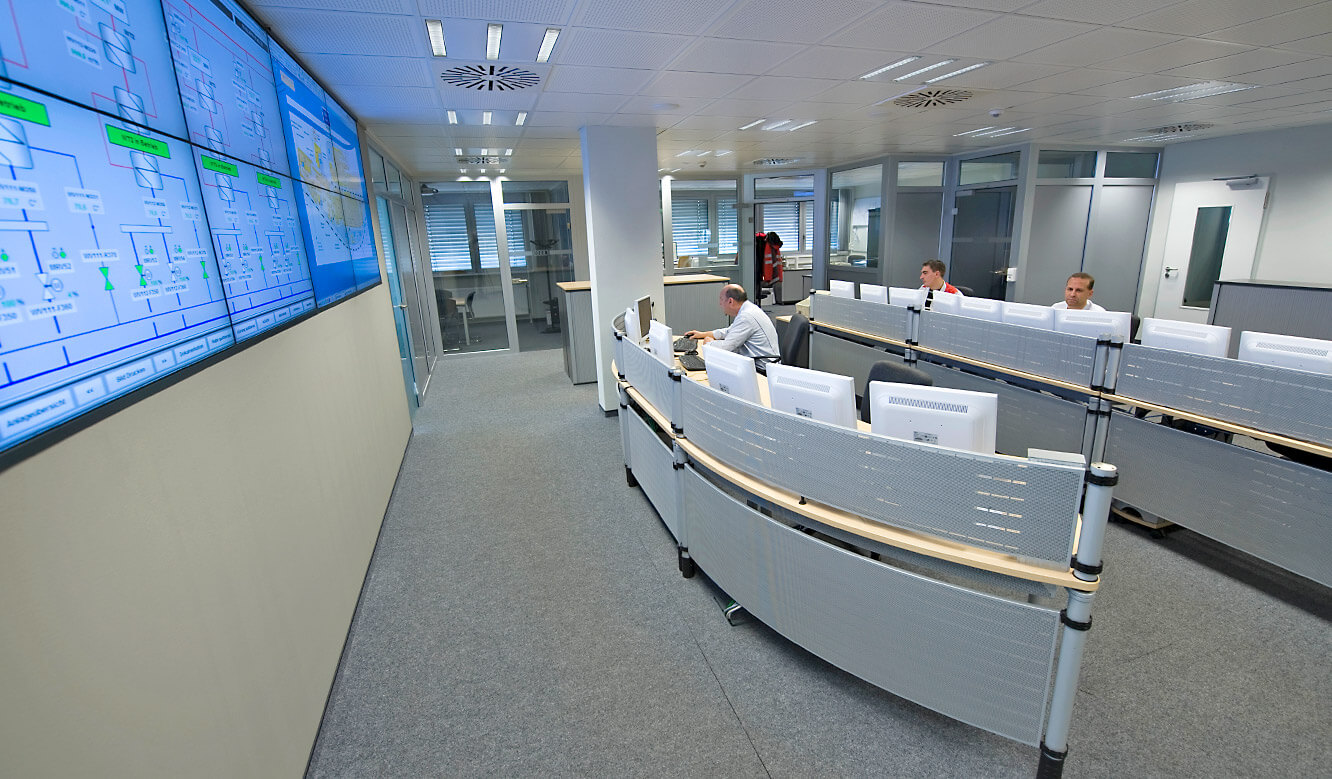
(1092, 323)
(1191, 337)
(874, 293)
(1028, 315)
(842, 289)
(946, 302)
(644, 308)
(958, 419)
(826, 397)
(631, 324)
(1286, 351)
(906, 296)
(981, 308)
(660, 343)
(731, 373)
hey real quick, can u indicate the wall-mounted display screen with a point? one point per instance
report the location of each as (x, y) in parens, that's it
(171, 183)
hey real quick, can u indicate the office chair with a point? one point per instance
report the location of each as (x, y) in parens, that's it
(794, 346)
(968, 291)
(886, 370)
(450, 320)
(470, 312)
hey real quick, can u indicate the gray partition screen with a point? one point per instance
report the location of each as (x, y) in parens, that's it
(1277, 400)
(1063, 356)
(1017, 507)
(981, 659)
(652, 378)
(877, 319)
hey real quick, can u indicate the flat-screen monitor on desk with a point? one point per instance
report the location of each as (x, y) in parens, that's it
(631, 325)
(874, 293)
(1286, 351)
(1191, 337)
(959, 419)
(842, 289)
(906, 296)
(1028, 315)
(661, 343)
(1092, 323)
(644, 308)
(731, 373)
(826, 397)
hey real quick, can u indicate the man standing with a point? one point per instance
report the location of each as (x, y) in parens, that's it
(1078, 293)
(751, 332)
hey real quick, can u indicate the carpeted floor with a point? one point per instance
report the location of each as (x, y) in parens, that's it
(523, 616)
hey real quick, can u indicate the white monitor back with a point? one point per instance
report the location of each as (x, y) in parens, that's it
(1191, 337)
(826, 397)
(1092, 323)
(959, 419)
(906, 296)
(1028, 315)
(659, 343)
(731, 373)
(874, 293)
(631, 325)
(842, 289)
(981, 308)
(1286, 351)
(946, 302)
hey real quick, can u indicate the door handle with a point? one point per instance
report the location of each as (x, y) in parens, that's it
(1169, 271)
(402, 306)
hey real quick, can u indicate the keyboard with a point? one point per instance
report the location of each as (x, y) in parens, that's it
(685, 345)
(691, 362)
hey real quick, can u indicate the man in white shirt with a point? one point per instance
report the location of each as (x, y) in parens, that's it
(1078, 293)
(751, 332)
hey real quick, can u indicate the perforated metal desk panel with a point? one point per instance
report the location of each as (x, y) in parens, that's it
(1062, 356)
(651, 377)
(877, 319)
(650, 460)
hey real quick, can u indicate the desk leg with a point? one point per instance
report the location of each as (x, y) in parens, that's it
(467, 331)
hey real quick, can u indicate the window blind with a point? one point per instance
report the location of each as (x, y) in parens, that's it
(689, 225)
(446, 234)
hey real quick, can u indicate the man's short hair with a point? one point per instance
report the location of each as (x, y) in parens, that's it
(1091, 280)
(735, 292)
(935, 265)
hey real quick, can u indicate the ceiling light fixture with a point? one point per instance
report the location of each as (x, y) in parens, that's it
(967, 69)
(723, 152)
(753, 124)
(977, 130)
(686, 153)
(887, 68)
(493, 33)
(1010, 132)
(1195, 91)
(458, 151)
(508, 152)
(521, 120)
(705, 153)
(675, 170)
(993, 132)
(805, 124)
(435, 32)
(453, 117)
(894, 97)
(925, 69)
(548, 44)
(777, 125)
(486, 116)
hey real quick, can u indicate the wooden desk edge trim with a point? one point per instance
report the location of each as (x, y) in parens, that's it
(649, 409)
(1230, 427)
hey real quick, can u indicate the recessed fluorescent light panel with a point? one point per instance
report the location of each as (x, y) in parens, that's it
(522, 119)
(967, 69)
(723, 152)
(508, 152)
(453, 117)
(1195, 91)
(458, 151)
(548, 44)
(777, 125)
(493, 33)
(887, 68)
(925, 69)
(435, 31)
(753, 124)
(969, 132)
(803, 124)
(486, 117)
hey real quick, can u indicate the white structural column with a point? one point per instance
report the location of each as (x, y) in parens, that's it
(623, 233)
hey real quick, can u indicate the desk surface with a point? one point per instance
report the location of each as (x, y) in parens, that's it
(670, 281)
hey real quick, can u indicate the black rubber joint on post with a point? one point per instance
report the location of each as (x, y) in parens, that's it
(676, 466)
(678, 430)
(1103, 481)
(1052, 763)
(1090, 570)
(1073, 623)
(675, 375)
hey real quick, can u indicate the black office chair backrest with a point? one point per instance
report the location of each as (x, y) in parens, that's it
(1134, 322)
(468, 303)
(965, 290)
(886, 370)
(794, 347)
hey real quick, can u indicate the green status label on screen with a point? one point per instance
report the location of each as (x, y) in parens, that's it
(27, 110)
(270, 181)
(137, 142)
(218, 166)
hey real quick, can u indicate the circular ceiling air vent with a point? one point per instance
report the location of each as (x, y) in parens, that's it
(1175, 129)
(490, 78)
(777, 161)
(932, 98)
(483, 160)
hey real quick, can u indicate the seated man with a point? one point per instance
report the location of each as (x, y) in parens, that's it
(751, 332)
(1078, 293)
(932, 279)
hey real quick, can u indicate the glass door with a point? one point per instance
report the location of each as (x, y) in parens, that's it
(416, 309)
(469, 284)
(400, 307)
(540, 256)
(982, 236)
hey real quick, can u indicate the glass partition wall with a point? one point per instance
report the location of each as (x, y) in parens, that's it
(703, 226)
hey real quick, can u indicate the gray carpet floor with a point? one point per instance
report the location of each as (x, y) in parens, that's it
(523, 616)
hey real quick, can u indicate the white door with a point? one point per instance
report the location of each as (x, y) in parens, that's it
(1213, 234)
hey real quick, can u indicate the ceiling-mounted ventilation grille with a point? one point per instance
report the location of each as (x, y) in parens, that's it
(777, 161)
(932, 98)
(1172, 129)
(490, 78)
(483, 160)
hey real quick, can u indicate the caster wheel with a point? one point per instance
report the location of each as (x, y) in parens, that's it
(629, 477)
(687, 566)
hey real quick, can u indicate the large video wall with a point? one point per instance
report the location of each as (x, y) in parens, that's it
(172, 183)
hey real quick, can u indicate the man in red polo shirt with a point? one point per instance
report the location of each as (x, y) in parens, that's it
(932, 279)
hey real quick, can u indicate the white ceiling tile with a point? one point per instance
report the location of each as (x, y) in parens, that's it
(857, 93)
(1004, 75)
(565, 118)
(459, 98)
(723, 55)
(909, 27)
(398, 112)
(1103, 44)
(783, 20)
(377, 6)
(328, 32)
(1244, 62)
(1318, 44)
(1299, 71)
(1281, 28)
(1008, 36)
(530, 11)
(702, 123)
(359, 69)
(612, 81)
(1093, 11)
(570, 101)
(644, 104)
(738, 106)
(679, 16)
(1196, 17)
(358, 96)
(685, 84)
(1003, 6)
(1139, 85)
(1075, 80)
(1060, 104)
(1177, 54)
(776, 88)
(613, 48)
(834, 62)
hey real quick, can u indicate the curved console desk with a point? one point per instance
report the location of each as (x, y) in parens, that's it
(940, 575)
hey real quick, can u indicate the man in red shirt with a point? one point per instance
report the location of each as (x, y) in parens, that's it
(932, 279)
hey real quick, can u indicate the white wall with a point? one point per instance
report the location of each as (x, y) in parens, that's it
(1294, 245)
(178, 579)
